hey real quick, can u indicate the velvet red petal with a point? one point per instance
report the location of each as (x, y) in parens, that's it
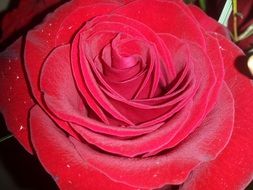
(174, 166)
(61, 160)
(148, 12)
(58, 86)
(41, 40)
(15, 99)
(233, 168)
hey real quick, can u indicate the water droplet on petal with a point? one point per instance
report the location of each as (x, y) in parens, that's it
(9, 99)
(21, 127)
(70, 27)
(70, 182)
(17, 77)
(68, 166)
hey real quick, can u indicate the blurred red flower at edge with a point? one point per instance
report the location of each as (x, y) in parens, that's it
(21, 15)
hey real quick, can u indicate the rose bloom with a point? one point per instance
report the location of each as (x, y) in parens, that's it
(122, 95)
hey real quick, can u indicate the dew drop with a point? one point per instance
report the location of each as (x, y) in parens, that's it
(9, 99)
(50, 24)
(24, 102)
(9, 60)
(68, 166)
(49, 34)
(17, 77)
(70, 182)
(70, 27)
(155, 175)
(21, 127)
(9, 67)
(221, 48)
(10, 87)
(42, 30)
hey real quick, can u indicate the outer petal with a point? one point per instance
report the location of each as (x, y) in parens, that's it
(62, 161)
(233, 168)
(157, 15)
(15, 99)
(208, 23)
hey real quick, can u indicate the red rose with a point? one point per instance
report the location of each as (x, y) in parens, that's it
(130, 95)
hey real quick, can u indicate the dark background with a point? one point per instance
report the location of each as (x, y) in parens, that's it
(18, 169)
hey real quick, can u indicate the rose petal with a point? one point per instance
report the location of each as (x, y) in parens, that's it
(57, 83)
(61, 160)
(41, 40)
(139, 145)
(15, 99)
(172, 167)
(237, 157)
(147, 12)
(63, 99)
(208, 91)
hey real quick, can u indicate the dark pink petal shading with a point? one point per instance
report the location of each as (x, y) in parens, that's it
(233, 168)
(15, 99)
(62, 161)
